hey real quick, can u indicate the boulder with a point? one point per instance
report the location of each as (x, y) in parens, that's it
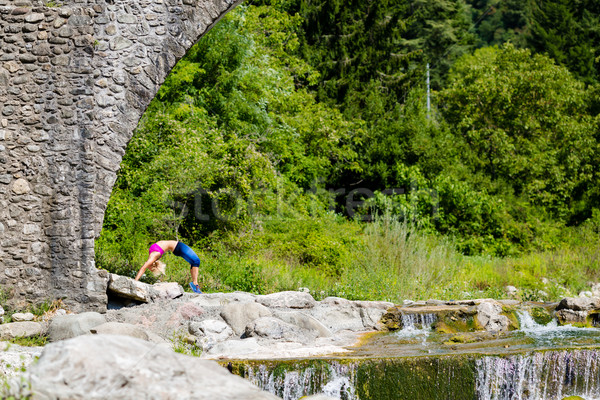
(221, 299)
(305, 322)
(595, 289)
(22, 317)
(579, 303)
(14, 358)
(71, 325)
(236, 348)
(276, 329)
(98, 367)
(212, 329)
(511, 290)
(239, 315)
(289, 299)
(20, 329)
(371, 312)
(567, 316)
(490, 317)
(167, 290)
(338, 314)
(128, 288)
(119, 328)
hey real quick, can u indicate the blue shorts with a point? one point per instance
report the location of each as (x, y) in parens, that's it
(184, 251)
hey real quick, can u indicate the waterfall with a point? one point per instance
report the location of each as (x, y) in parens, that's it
(418, 321)
(545, 375)
(528, 324)
(297, 380)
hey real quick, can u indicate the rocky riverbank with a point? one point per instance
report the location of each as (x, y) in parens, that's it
(152, 320)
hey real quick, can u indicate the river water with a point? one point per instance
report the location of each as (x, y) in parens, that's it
(537, 362)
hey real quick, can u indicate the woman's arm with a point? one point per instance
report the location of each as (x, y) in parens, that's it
(154, 256)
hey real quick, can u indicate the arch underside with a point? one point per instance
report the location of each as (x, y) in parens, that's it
(74, 82)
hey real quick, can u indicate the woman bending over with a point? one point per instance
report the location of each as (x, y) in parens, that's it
(179, 249)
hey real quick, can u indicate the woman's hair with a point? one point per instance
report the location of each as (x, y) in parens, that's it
(157, 268)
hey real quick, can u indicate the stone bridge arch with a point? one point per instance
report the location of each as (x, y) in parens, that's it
(75, 78)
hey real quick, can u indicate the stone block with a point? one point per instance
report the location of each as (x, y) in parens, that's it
(128, 288)
(72, 325)
(20, 329)
(289, 299)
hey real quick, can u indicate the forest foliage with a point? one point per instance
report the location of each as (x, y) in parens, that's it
(297, 144)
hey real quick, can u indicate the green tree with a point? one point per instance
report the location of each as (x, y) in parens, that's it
(499, 21)
(569, 32)
(523, 121)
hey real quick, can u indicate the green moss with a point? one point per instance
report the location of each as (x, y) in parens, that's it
(453, 322)
(593, 319)
(541, 315)
(442, 327)
(514, 320)
(463, 338)
(416, 378)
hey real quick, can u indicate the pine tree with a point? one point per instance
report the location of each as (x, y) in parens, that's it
(569, 32)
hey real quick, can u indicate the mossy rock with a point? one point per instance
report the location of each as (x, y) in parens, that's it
(541, 315)
(462, 338)
(514, 320)
(593, 319)
(457, 322)
(442, 327)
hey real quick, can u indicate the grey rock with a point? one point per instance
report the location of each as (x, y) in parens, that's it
(489, 316)
(21, 186)
(72, 325)
(304, 321)
(98, 367)
(120, 43)
(15, 358)
(579, 303)
(34, 17)
(289, 299)
(222, 299)
(511, 290)
(567, 316)
(237, 348)
(119, 328)
(274, 328)
(339, 314)
(129, 288)
(20, 329)
(239, 315)
(22, 317)
(167, 290)
(214, 330)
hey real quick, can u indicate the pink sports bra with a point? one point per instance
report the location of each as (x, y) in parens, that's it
(156, 247)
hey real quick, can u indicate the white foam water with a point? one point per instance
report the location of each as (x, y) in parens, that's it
(336, 381)
(551, 332)
(416, 325)
(548, 375)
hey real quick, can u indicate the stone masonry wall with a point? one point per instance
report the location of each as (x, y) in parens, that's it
(75, 78)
